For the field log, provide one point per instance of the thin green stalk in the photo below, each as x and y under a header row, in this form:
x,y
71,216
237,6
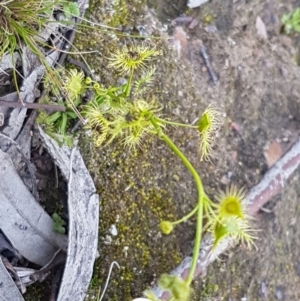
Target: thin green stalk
x,y
206,208
200,191
127,92
183,219
177,123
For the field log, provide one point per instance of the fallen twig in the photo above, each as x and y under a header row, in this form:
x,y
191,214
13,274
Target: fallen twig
x,y
35,106
208,65
55,284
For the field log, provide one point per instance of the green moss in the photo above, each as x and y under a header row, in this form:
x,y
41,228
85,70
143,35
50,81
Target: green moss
x,y
38,292
130,203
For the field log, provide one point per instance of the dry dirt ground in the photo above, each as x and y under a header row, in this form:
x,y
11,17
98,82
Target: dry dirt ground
x,y
258,91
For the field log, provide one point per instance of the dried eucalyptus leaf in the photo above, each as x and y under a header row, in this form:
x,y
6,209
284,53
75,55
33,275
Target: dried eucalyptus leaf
x,y
23,220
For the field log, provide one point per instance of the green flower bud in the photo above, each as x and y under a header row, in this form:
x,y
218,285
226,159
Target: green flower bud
x,y
166,227
88,80
179,289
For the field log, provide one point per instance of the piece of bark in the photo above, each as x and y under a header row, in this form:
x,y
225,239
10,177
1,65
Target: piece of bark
x,y
23,220
83,206
8,289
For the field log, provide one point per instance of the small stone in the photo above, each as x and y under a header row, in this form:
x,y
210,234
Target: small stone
x,y
211,29
261,28
225,180
263,290
298,268
231,41
121,81
113,230
283,71
279,293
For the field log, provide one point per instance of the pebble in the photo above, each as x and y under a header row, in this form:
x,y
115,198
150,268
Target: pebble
x,y
211,29
113,230
263,290
298,269
279,293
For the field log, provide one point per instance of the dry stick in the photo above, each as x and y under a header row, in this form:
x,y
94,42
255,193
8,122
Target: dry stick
x,y
14,274
55,284
36,106
271,183
208,64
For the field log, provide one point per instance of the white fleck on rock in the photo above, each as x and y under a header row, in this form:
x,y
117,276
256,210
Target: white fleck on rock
x,y
113,230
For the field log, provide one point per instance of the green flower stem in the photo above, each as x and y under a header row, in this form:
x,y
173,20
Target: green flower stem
x,y
191,213
128,88
200,190
177,123
183,219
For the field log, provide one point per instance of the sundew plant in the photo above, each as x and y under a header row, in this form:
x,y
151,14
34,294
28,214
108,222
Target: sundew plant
x,y
126,114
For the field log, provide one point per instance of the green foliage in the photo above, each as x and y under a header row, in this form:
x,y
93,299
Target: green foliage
x,y
58,224
178,288
291,21
20,21
71,90
71,9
